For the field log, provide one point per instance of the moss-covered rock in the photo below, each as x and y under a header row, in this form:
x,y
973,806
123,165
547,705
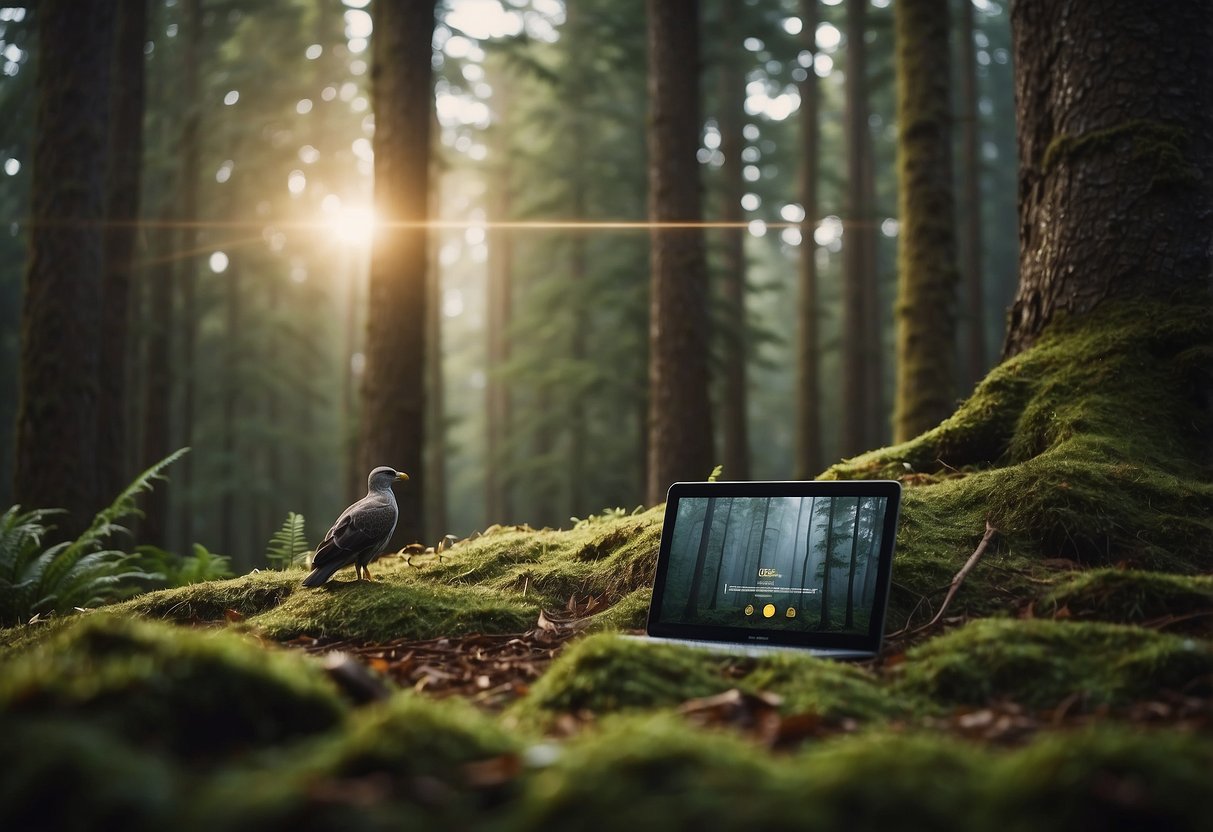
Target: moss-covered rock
x,y
197,695
659,773
1129,596
827,688
1109,778
399,606
66,775
406,761
607,673
1040,664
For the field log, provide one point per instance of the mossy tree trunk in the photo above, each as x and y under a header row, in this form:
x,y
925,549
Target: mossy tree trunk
x,y
393,386
808,412
679,420
57,452
125,152
731,77
1115,123
969,225
927,277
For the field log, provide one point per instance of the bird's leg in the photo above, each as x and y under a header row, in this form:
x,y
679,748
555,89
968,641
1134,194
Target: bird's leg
x,y
367,570
358,570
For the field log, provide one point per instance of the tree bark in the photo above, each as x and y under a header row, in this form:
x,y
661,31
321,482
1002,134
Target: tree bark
x,y
393,387
850,620
1115,125
434,498
825,570
680,428
56,463
700,558
187,253
227,503
855,387
732,102
809,458
498,508
970,218
125,151
927,276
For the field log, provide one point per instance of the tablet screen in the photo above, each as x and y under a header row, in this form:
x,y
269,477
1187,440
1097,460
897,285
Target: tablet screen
x,y
794,564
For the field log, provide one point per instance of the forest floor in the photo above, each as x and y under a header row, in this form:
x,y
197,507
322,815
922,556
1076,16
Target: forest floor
x,y
1068,683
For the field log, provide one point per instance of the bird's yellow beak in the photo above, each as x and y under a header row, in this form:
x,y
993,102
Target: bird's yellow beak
x,y
401,476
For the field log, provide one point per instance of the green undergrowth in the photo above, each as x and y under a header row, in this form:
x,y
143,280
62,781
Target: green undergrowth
x,y
1130,596
1041,664
216,600
198,695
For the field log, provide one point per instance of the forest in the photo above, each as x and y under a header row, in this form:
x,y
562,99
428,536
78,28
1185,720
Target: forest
x,y
547,258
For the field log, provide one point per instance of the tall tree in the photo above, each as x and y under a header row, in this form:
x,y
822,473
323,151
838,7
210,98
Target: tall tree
x,y
125,152
808,364
855,326
680,427
57,453
731,78
724,541
824,622
927,277
1115,123
499,275
393,386
701,555
187,253
970,219
850,619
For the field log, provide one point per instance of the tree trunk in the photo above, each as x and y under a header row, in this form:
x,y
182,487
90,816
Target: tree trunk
x,y
808,411
700,559
393,387
434,498
122,210
1115,105
808,539
227,504
187,253
57,449
680,428
825,568
970,218
850,621
153,527
732,103
855,401
724,541
927,277
500,295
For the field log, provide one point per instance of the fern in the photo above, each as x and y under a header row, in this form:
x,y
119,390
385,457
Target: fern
x,y
72,574
289,543
182,570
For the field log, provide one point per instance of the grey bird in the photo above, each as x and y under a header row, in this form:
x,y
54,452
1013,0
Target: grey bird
x,y
361,532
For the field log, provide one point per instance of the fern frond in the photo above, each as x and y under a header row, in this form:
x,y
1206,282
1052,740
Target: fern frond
x,y
288,543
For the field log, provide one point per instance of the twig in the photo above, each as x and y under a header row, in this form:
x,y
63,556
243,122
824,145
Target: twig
x,y
955,585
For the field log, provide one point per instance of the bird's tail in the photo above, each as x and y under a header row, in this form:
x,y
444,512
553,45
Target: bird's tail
x,y
321,574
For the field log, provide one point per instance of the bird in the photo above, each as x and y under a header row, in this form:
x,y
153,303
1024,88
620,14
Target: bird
x,y
361,532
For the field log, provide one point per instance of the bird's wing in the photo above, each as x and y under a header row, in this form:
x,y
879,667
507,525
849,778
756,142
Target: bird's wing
x,y
359,527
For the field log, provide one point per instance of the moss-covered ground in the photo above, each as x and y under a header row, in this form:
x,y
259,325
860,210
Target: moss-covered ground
x,y
1086,627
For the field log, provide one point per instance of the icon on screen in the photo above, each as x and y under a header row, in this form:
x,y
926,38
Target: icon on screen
x,y
791,613
768,611
749,609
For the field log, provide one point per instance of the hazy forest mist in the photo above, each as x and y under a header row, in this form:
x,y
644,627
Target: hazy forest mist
x,y
254,221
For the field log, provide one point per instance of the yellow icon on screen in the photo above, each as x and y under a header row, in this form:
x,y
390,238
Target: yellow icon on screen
x,y
749,609
791,613
768,611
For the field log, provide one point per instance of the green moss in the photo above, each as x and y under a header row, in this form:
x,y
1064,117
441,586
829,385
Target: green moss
x,y
660,773
1087,446
630,613
1110,778
393,608
1040,664
889,781
213,600
197,695
409,760
1155,146
1129,596
66,775
607,673
827,688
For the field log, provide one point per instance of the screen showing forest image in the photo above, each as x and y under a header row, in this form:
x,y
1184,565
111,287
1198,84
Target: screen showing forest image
x,y
787,563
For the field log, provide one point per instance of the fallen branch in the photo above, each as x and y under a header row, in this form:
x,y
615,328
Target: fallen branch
x,y
954,587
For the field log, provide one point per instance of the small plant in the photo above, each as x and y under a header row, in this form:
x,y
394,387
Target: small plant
x,y
182,570
73,574
288,546
616,513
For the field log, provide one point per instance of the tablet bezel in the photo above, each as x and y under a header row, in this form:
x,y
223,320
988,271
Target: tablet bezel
x,y
890,489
